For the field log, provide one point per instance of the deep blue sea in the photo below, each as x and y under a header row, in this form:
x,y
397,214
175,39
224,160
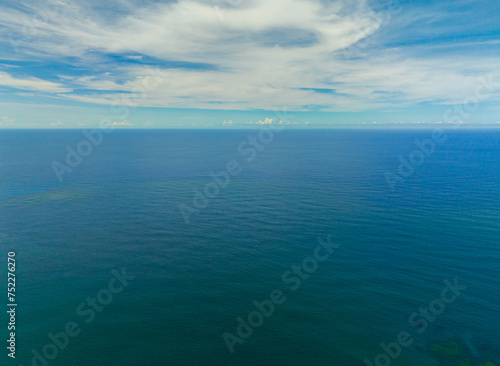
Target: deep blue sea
x,y
415,262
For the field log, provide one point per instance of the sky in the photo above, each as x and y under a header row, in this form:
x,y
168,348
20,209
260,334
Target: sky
x,y
243,63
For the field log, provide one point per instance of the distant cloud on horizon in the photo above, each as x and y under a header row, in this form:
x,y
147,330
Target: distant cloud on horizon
x,y
121,124
6,121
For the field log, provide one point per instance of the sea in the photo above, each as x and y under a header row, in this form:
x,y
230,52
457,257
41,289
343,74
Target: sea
x,y
251,247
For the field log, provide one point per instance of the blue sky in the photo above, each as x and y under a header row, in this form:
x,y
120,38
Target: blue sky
x,y
198,63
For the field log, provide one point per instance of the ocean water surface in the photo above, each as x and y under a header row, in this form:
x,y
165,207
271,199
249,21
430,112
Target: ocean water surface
x,y
120,209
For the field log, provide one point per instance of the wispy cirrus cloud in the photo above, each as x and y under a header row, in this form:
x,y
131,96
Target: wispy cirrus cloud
x,y
32,83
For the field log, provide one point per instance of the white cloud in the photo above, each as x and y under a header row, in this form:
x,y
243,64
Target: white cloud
x,y
121,124
260,54
267,121
270,121
56,124
6,121
31,83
